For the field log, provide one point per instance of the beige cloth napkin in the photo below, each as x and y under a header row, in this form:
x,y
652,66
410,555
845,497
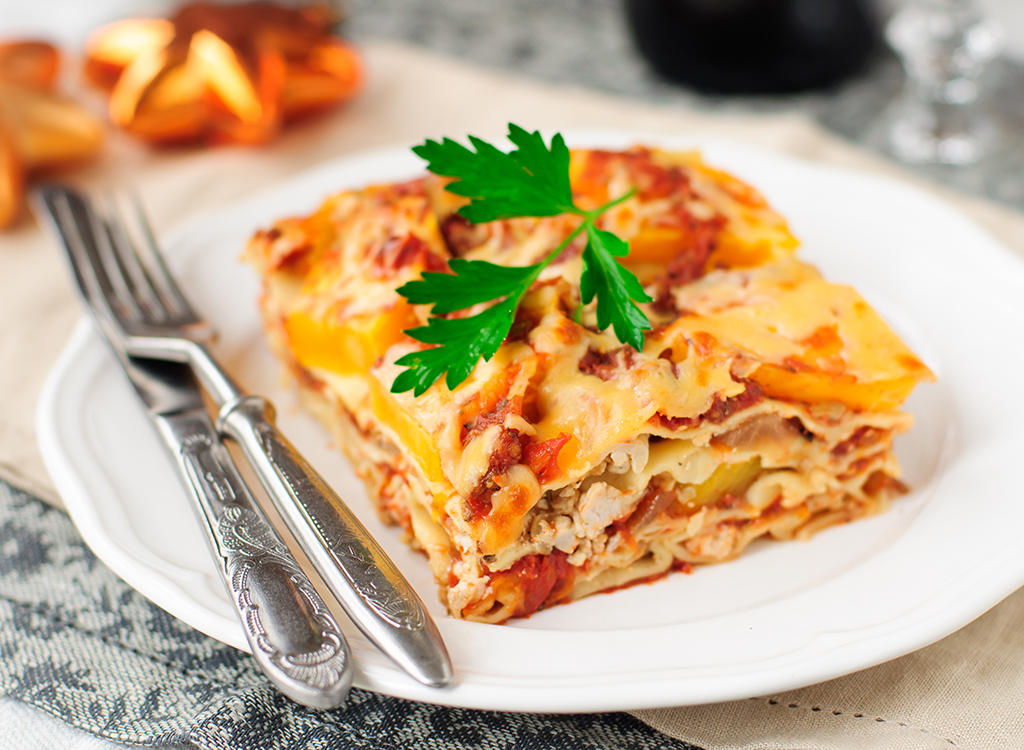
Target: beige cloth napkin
x,y
962,692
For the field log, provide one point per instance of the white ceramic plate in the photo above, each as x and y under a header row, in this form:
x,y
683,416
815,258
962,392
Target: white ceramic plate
x,y
782,616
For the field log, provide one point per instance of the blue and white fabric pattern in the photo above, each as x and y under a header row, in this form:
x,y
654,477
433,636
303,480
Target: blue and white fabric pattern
x,y
80,644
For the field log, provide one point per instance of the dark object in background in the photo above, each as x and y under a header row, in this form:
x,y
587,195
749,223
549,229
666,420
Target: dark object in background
x,y
754,46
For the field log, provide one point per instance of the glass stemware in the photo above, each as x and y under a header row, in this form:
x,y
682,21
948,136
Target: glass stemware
x,y
944,45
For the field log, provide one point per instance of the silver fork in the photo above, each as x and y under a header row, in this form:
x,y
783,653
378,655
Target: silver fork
x,y
154,321
292,635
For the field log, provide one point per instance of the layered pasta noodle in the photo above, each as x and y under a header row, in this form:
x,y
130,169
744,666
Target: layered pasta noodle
x,y
764,402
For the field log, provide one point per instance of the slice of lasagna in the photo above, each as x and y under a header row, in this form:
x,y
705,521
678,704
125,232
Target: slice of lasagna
x,y
764,402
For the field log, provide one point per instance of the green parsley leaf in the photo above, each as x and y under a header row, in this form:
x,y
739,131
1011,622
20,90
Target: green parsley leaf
x,y
614,286
532,180
463,341
473,282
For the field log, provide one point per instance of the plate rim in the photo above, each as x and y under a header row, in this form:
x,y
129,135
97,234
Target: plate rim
x,y
494,697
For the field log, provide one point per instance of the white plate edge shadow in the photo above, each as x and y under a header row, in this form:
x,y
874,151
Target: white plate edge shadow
x,y
649,692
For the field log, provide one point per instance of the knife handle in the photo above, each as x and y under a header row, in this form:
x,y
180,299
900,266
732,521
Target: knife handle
x,y
366,582
293,635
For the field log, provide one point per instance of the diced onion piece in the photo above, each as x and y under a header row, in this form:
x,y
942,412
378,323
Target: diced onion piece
x,y
761,431
651,505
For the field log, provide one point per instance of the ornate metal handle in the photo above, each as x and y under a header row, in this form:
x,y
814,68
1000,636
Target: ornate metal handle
x,y
373,592
293,636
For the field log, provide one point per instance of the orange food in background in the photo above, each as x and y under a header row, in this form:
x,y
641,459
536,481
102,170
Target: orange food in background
x,y
38,129
222,73
32,64
12,182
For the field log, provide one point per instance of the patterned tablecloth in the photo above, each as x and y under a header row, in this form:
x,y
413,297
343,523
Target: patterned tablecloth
x,y
80,644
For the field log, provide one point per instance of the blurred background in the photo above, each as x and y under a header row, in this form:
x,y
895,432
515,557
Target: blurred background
x,y
959,118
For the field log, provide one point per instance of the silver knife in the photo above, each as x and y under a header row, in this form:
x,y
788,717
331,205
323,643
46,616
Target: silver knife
x,y
293,636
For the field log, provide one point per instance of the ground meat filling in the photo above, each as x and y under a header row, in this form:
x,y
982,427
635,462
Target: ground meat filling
x,y
606,365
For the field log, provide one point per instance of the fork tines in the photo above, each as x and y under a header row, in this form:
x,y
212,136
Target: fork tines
x,y
133,236
119,267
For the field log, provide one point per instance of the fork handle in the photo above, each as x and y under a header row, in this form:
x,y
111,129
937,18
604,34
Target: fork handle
x,y
359,573
293,636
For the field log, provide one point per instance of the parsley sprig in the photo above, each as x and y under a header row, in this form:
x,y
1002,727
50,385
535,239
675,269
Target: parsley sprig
x,y
532,180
